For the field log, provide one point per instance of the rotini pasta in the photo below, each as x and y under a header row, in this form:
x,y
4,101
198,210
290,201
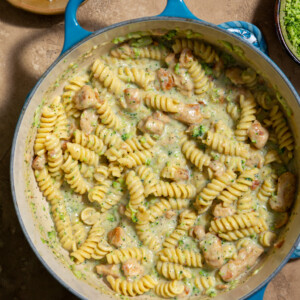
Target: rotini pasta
x,y
169,289
98,192
267,238
122,255
89,141
174,190
267,189
107,116
101,250
161,102
186,257
172,271
137,158
140,143
83,154
149,179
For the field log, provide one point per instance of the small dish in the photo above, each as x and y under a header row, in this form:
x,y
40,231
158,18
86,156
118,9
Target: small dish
x,y
281,30
43,7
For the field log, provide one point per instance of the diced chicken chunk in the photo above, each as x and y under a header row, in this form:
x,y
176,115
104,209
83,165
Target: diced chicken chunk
x,y
235,75
246,258
85,98
170,60
88,121
116,237
170,214
183,82
132,268
186,57
152,126
255,160
165,78
158,115
197,232
188,114
221,211
181,174
217,167
258,135
112,270
212,251
286,190
39,162
132,99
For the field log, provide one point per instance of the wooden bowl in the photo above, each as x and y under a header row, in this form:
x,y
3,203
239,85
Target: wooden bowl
x,y
281,31
43,7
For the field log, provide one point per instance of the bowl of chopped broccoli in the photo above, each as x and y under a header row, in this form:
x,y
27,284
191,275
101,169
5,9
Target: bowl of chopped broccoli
x,y
287,19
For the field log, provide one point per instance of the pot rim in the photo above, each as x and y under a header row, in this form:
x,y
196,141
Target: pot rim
x,y
62,57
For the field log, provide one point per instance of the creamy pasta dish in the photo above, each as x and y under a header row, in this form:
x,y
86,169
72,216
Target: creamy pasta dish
x,y
166,166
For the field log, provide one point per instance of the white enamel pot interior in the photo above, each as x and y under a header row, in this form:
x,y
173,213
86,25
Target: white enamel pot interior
x,y
31,206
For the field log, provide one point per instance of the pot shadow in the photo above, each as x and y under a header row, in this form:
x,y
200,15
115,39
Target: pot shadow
x,y
264,19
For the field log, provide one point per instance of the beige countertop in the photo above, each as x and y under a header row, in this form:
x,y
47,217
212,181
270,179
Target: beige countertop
x,y
28,45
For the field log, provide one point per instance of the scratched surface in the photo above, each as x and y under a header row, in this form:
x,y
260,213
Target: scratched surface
x,y
28,45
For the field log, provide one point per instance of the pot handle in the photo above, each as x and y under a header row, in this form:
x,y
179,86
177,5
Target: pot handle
x,y
248,32
177,8
74,33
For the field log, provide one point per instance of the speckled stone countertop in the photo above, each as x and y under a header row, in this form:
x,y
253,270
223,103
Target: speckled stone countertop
x,y
28,45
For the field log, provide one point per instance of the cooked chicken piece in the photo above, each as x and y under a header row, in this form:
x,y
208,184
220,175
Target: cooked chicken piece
x,y
245,259
116,237
197,232
217,167
175,173
258,135
186,57
106,270
88,121
151,125
235,75
221,211
165,78
188,114
132,99
282,220
183,82
85,98
39,162
170,214
170,60
255,160
132,268
229,250
286,190
212,251
158,115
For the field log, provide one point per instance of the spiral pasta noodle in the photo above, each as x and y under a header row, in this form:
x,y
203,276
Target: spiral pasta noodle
x,y
73,176
98,192
205,282
47,123
241,233
54,156
186,221
264,100
185,257
140,143
267,189
163,205
86,250
225,145
195,155
204,51
172,271
212,190
282,131
60,216
78,232
174,190
248,110
234,163
136,192
249,77
245,203
101,250
151,52
272,156
89,141
239,187
107,116
233,110
135,75
75,84
267,238
169,289
134,159
83,154
89,216
122,255
149,179
234,222
109,80
161,102
132,288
